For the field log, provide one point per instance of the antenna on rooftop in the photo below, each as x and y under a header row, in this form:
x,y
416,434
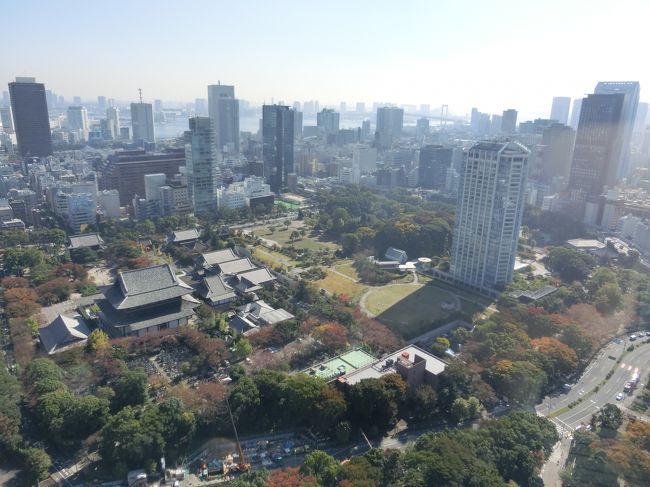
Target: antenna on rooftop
x,y
140,91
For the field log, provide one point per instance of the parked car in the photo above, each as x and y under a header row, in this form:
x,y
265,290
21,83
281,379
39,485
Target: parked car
x,y
619,396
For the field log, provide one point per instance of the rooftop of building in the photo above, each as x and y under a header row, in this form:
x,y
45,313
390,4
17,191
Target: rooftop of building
x,y
264,313
257,276
62,332
340,365
237,266
219,257
586,243
85,240
181,236
533,295
386,365
141,287
215,288
499,145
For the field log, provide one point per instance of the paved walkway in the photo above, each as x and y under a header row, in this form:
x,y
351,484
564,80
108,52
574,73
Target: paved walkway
x,y
551,470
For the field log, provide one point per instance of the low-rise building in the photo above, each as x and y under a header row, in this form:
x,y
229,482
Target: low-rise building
x,y
146,300
89,240
208,260
216,291
413,364
235,267
187,238
261,313
251,281
589,246
63,333
396,255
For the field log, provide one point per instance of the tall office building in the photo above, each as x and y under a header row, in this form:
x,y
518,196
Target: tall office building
x,y
142,122
277,148
509,121
597,148
432,169
558,141
560,109
297,125
31,119
202,165
630,91
223,109
157,105
7,119
101,102
76,100
361,107
390,121
125,170
113,118
327,121
488,215
575,113
638,133
201,107
78,121
421,129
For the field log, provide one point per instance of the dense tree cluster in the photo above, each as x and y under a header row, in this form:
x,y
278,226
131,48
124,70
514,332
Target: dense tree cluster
x,y
523,352
367,221
505,451
570,265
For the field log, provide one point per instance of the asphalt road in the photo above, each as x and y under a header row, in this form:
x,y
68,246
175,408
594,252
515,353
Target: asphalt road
x,y
567,420
636,361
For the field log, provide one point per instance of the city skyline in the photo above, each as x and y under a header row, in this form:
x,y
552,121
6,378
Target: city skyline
x,y
431,55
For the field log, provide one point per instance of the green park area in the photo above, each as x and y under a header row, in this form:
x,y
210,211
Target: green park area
x,y
339,284
291,236
411,310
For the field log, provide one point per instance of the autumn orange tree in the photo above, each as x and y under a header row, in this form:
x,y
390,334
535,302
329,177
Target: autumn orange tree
x,y
290,477
333,335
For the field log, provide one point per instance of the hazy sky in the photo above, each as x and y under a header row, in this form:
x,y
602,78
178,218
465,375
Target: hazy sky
x,y
490,54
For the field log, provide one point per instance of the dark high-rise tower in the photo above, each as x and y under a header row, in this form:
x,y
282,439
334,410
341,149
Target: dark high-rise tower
x,y
630,91
31,120
434,162
597,148
278,140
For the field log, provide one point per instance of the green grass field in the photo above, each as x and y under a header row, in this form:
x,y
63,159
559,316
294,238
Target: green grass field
x,y
337,284
282,237
272,258
410,310
346,267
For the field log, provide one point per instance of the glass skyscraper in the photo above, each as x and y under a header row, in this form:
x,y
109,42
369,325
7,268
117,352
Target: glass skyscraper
x,y
31,119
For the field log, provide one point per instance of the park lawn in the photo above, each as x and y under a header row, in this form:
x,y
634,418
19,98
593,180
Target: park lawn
x,y
282,237
347,267
411,310
272,258
337,284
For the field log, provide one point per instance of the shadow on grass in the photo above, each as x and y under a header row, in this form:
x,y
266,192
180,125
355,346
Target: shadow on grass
x,y
424,310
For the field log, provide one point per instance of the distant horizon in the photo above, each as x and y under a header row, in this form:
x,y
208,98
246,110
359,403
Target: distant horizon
x,y
467,53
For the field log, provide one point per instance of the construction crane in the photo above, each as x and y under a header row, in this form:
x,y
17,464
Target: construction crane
x,y
242,466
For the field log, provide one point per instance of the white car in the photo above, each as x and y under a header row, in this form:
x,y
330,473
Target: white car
x,y
619,396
